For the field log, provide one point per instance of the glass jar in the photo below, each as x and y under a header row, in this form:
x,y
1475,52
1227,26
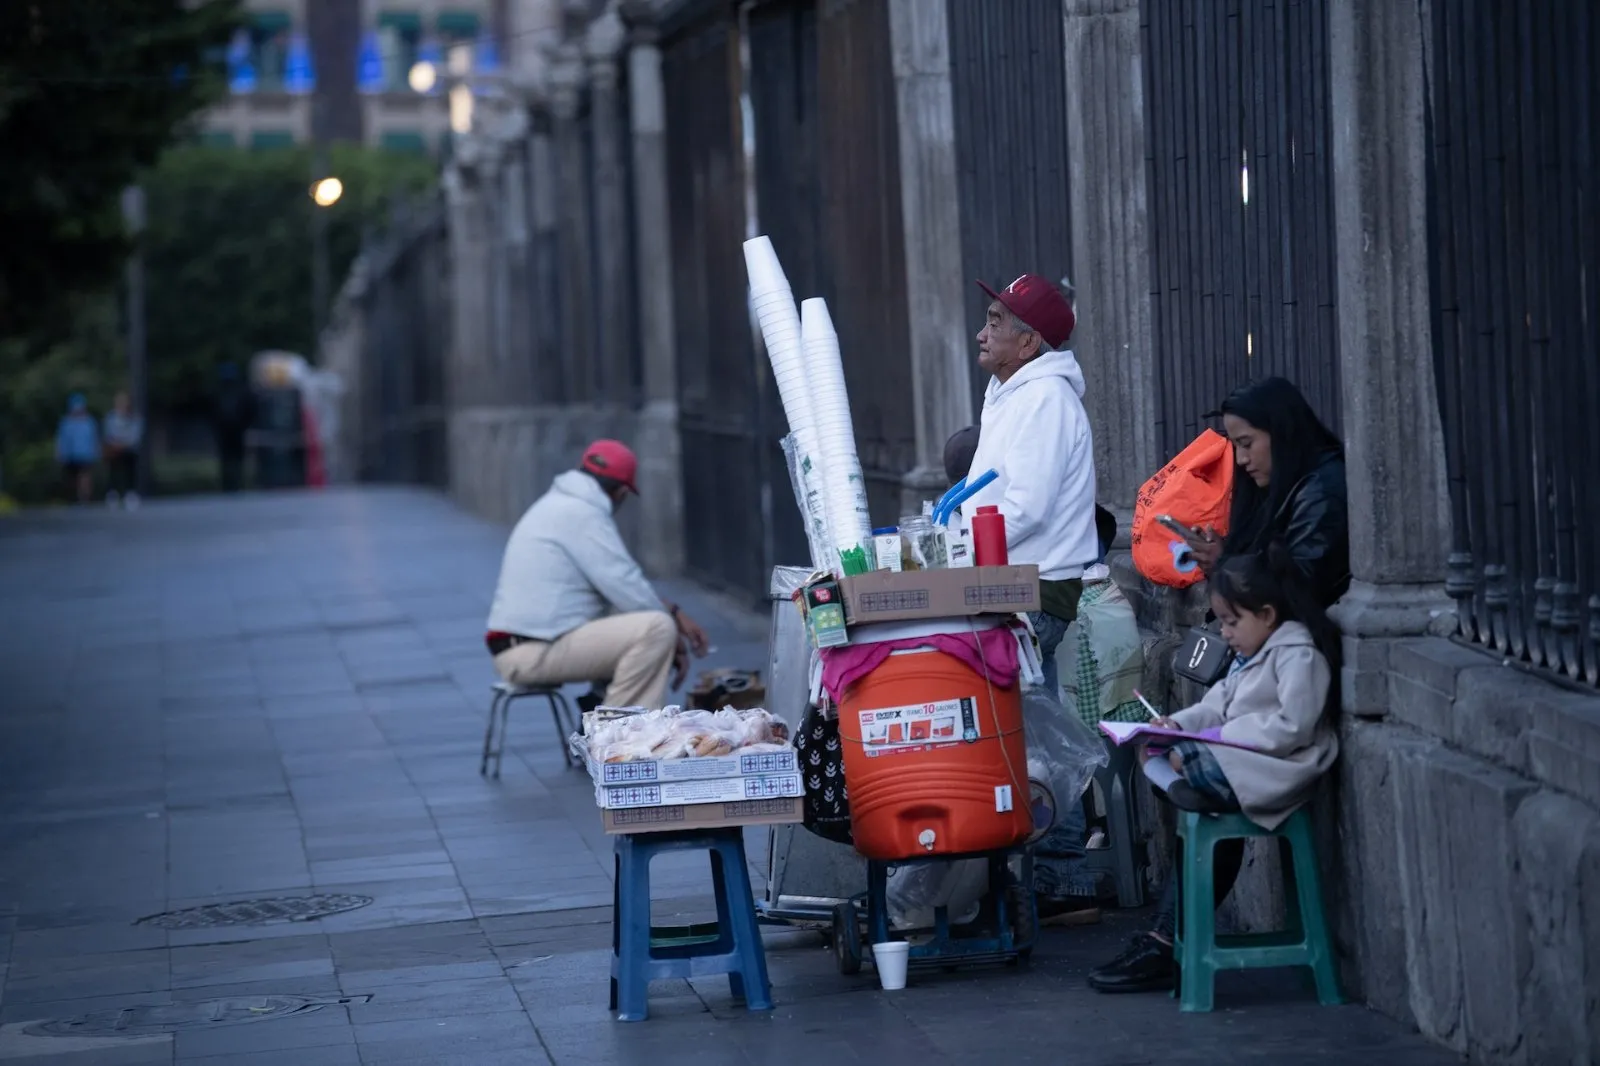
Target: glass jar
x,y
921,548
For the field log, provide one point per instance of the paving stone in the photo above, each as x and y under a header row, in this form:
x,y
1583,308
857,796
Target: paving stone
x,y
313,717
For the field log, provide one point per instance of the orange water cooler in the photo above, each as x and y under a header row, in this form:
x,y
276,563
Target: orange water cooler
x,y
935,759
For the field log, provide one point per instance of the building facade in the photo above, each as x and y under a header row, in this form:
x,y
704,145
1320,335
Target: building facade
x,y
343,70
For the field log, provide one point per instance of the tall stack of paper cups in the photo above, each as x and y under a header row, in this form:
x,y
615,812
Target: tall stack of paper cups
x,y
843,488
773,303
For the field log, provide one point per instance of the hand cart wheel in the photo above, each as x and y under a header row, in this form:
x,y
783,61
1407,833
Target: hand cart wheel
x,y
847,938
1024,921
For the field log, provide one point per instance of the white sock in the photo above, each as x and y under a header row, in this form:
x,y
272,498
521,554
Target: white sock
x,y
1160,773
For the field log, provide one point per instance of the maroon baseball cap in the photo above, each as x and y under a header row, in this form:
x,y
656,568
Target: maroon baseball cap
x,y
612,459
1040,306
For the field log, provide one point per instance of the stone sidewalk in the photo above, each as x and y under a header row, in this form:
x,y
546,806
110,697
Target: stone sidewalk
x,y
269,698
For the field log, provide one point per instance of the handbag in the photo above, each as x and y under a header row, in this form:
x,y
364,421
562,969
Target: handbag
x,y
821,755
1203,657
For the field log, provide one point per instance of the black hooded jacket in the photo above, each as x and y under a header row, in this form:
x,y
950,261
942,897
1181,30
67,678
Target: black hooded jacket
x,y
1313,525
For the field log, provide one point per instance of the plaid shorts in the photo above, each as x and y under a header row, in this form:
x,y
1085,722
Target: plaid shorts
x,y
1203,773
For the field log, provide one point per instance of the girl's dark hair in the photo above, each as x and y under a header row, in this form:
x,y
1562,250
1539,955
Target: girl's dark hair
x,y
1299,443
1260,580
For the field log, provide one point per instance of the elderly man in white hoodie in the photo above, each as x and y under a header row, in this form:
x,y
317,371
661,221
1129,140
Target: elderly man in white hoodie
x,y
573,605
1035,435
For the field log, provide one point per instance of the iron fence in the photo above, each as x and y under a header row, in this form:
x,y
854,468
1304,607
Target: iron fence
x,y
1514,218
403,425
723,435
1242,256
1008,88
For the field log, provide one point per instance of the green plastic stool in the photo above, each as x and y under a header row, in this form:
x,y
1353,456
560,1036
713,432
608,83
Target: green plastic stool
x,y
1198,949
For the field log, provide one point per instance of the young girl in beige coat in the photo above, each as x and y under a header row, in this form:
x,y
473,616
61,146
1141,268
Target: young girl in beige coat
x,y
1271,737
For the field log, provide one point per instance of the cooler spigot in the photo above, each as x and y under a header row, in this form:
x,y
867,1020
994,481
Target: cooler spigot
x,y
926,839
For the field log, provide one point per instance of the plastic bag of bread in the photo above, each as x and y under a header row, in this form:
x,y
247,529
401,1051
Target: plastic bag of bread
x,y
672,733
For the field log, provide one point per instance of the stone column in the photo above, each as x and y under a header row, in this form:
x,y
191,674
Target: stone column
x,y
941,351
658,444
1106,189
566,83
550,382
603,44
514,312
1399,504
469,276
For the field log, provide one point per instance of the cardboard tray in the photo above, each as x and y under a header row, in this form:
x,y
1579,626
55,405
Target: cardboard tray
x,y
712,790
886,596
737,764
704,816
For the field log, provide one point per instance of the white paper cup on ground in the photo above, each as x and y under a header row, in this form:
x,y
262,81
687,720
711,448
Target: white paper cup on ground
x,y
891,959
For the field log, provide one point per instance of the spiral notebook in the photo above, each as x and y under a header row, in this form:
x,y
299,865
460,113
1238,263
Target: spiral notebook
x,y
1126,732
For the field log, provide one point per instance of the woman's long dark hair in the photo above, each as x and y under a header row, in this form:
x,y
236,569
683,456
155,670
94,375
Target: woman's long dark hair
x,y
1260,580
1299,443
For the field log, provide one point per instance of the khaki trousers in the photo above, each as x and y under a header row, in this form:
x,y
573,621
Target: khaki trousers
x,y
634,650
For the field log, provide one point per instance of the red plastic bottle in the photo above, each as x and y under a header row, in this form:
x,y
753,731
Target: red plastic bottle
x,y
989,537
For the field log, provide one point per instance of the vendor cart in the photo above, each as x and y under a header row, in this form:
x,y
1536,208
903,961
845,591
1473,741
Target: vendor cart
x,y
1005,926
1003,932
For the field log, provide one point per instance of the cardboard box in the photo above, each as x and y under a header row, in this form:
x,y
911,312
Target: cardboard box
x,y
704,816
713,790
738,764
884,596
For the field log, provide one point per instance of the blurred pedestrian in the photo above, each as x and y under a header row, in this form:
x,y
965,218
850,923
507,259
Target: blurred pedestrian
x,y
124,434
78,447
232,413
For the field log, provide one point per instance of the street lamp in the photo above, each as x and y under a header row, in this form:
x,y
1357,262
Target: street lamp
x,y
423,77
326,192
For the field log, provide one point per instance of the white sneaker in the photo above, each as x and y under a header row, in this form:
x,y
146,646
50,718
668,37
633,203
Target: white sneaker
x,y
131,501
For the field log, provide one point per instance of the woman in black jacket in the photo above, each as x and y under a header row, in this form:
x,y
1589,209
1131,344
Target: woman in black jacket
x,y
1289,487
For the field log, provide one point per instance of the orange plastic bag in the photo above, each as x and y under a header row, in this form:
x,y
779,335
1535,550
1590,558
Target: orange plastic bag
x,y
1196,489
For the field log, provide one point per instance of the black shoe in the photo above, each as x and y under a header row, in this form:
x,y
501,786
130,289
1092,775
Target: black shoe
x,y
1145,965
1186,797
1069,910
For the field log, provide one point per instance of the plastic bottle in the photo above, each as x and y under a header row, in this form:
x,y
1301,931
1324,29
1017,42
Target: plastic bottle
x,y
886,545
989,537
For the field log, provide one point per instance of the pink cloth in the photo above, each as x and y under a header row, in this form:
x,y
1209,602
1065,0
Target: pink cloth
x,y
844,665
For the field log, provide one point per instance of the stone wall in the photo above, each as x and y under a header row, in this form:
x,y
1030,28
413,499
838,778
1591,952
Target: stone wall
x,y
504,458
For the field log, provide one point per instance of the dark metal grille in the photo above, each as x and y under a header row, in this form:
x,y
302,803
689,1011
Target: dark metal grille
x,y
257,912
720,423
402,364
1242,284
1008,84
782,42
1515,248
864,276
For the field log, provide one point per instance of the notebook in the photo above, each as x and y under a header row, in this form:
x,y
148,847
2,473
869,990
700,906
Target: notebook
x,y
1127,732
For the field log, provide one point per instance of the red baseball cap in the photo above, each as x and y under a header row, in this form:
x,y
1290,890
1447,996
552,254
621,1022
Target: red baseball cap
x,y
1040,306
612,459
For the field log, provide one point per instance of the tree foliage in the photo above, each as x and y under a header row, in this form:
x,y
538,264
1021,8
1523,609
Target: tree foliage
x,y
91,91
229,252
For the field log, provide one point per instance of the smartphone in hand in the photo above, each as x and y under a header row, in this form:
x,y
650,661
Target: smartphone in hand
x,y
1178,527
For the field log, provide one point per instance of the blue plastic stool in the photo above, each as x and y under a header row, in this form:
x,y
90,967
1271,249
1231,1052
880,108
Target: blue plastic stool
x,y
1201,952
641,953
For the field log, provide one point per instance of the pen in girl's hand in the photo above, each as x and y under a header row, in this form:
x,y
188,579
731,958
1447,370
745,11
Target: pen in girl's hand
x,y
1151,711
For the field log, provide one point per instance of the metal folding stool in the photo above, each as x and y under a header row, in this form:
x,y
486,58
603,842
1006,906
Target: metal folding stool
x,y
505,693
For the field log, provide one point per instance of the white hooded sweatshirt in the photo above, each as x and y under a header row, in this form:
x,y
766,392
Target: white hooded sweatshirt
x,y
1035,434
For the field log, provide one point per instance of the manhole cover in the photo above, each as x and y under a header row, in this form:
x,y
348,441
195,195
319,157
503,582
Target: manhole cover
x,y
153,1020
256,912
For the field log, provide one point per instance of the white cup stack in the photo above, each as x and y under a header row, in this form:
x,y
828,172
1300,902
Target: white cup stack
x,y
844,489
772,301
